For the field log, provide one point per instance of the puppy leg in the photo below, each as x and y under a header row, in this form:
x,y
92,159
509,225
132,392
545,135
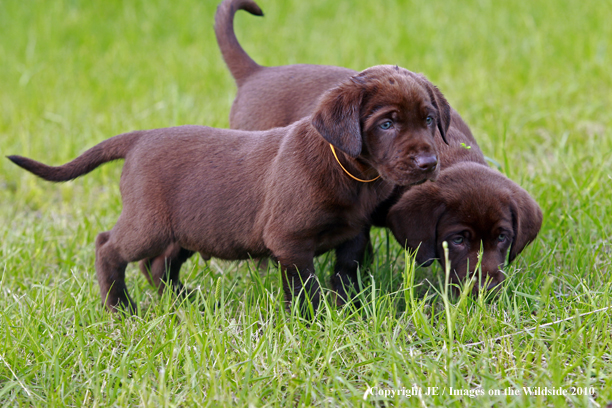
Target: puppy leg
x,y
110,271
303,284
300,281
349,256
163,271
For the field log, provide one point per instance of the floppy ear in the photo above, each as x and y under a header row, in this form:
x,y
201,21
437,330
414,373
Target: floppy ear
x,y
336,117
526,220
440,103
414,221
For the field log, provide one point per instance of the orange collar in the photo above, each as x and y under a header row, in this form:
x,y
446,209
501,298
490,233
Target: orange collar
x,y
346,171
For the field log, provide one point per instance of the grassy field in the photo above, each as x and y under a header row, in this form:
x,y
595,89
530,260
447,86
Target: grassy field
x,y
531,78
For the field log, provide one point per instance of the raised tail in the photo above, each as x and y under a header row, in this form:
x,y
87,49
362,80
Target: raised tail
x,y
111,149
237,60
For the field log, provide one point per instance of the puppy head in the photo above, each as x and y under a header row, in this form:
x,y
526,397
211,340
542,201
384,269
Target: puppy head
x,y
388,118
469,206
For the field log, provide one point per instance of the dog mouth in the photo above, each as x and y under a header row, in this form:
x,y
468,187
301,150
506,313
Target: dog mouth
x,y
405,175
408,180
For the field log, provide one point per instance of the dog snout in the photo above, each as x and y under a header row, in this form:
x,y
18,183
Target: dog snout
x,y
426,162
494,280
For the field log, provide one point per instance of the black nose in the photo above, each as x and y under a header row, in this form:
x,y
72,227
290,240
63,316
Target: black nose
x,y
426,162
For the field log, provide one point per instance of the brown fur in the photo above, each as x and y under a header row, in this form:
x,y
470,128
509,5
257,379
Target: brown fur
x,y
468,195
235,194
469,206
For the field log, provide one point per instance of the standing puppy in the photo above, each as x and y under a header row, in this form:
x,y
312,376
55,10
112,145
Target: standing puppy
x,y
282,193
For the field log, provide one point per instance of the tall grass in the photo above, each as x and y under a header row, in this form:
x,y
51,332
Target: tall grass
x,y
533,81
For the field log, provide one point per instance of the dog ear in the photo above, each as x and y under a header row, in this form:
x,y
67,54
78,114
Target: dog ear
x,y
336,117
440,103
526,220
414,221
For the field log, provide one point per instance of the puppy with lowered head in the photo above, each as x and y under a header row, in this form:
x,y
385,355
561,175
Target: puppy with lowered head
x,y
470,205
282,193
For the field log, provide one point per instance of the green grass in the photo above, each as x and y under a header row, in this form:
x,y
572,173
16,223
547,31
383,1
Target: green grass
x,y
532,79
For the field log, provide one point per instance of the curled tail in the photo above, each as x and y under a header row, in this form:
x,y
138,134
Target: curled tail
x,y
237,60
111,149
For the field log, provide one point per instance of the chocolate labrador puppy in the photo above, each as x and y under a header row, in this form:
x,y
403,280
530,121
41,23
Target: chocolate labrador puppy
x,y
283,193
470,205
